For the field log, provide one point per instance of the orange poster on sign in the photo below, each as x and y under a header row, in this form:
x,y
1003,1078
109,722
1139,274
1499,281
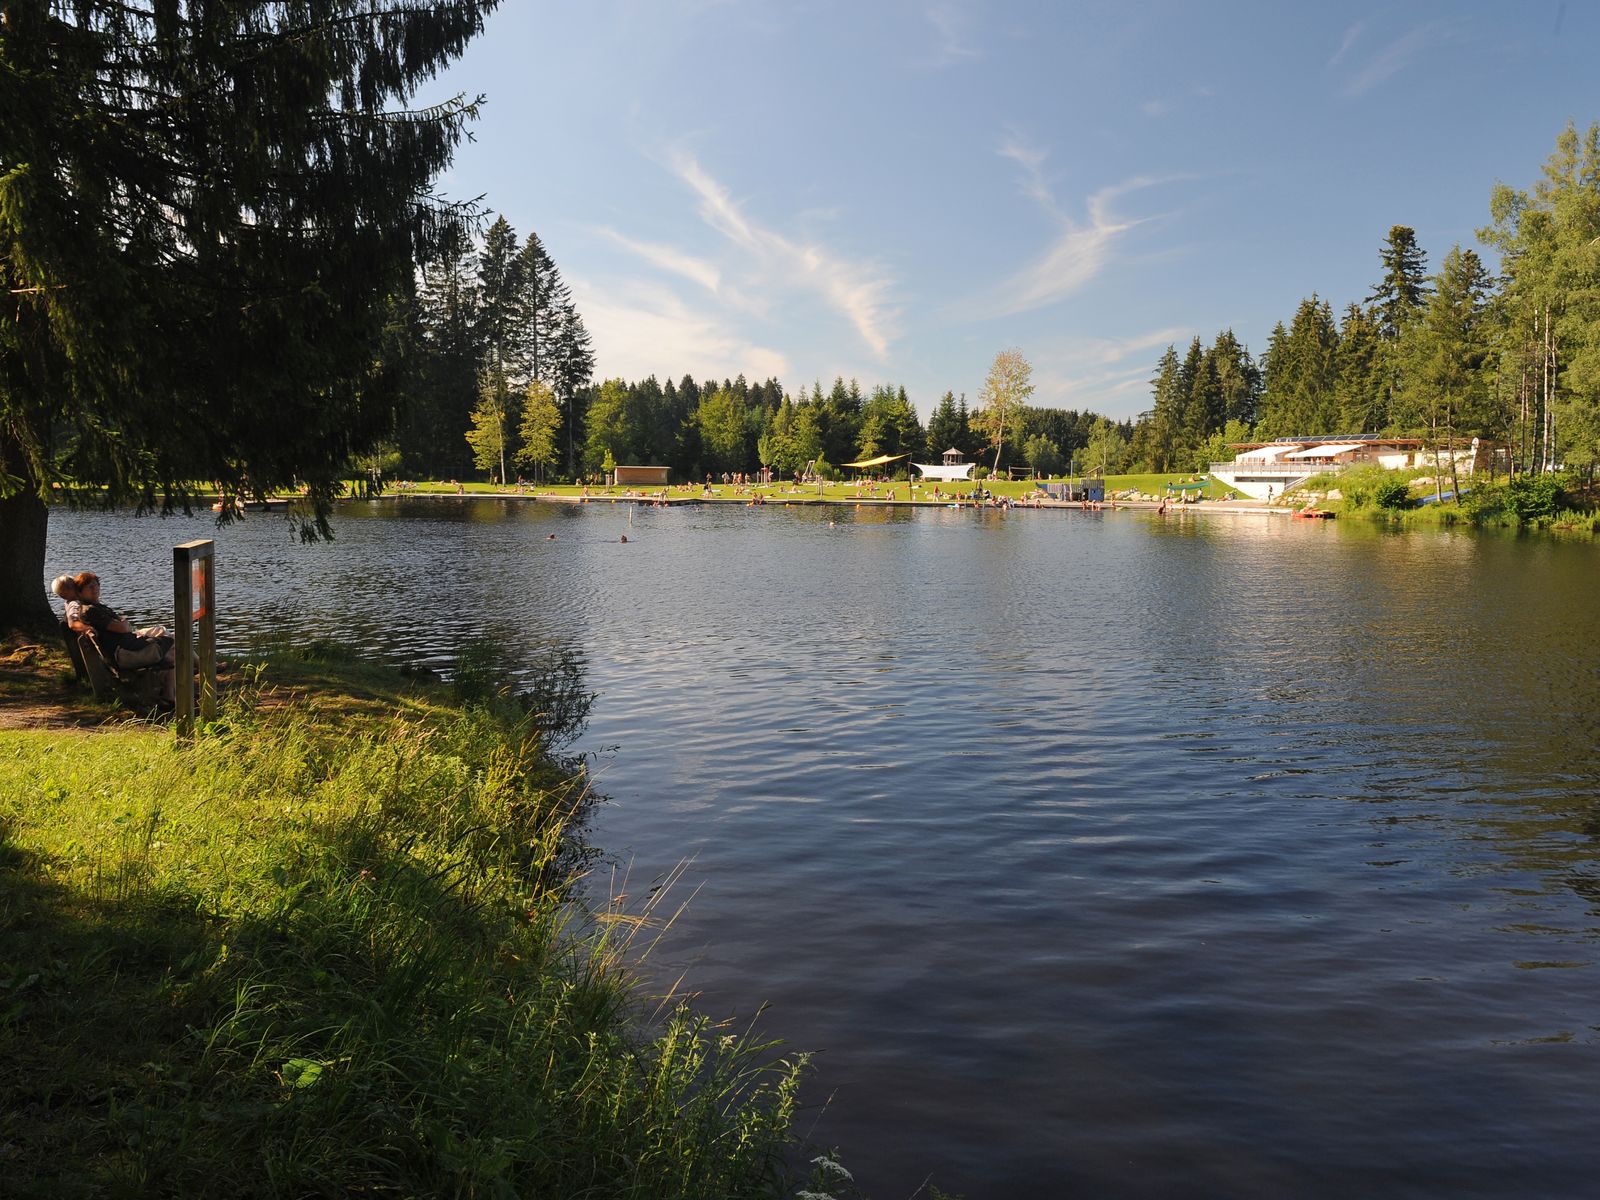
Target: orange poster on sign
x,y
197,588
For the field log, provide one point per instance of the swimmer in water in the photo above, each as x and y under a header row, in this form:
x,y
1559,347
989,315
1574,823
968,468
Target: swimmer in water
x,y
549,537
623,539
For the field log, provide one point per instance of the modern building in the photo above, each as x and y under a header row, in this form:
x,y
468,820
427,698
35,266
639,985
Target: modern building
x,y
1265,470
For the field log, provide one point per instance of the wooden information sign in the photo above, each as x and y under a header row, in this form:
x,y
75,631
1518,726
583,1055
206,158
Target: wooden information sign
x,y
194,586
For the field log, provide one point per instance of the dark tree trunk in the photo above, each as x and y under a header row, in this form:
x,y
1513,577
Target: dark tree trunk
x,y
23,520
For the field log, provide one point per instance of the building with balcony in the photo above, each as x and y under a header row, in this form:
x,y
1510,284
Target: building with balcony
x,y
1265,470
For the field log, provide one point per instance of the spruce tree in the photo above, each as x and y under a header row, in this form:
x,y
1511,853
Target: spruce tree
x,y
944,428
1363,402
446,388
1238,380
1300,395
1403,289
1159,445
204,211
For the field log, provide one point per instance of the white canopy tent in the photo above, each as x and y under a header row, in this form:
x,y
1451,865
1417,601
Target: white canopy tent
x,y
945,472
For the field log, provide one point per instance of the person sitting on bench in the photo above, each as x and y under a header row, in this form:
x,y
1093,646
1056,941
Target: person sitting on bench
x,y
66,589
127,649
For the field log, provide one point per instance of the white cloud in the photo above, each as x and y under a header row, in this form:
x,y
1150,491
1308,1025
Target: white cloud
x,y
1155,108
1349,40
1393,58
949,27
1081,251
1109,375
696,270
772,262
641,330
1031,159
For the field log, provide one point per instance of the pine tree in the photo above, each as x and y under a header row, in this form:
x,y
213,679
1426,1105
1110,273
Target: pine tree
x,y
944,428
1238,380
555,346
571,369
154,336
1301,395
1403,289
840,421
447,390
967,441
1549,244
499,296
1159,444
1363,406
1444,351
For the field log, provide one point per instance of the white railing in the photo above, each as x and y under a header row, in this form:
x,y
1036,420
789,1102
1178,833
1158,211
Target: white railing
x,y
1275,470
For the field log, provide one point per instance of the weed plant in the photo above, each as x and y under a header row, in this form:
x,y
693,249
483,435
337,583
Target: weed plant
x,y
326,952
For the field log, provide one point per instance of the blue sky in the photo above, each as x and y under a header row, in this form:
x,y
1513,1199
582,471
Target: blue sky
x,y
895,191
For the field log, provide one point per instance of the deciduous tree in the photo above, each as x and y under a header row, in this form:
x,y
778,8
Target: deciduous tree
x,y
1005,391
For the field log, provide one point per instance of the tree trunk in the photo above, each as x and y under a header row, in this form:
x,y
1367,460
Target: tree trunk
x,y
24,519
1438,482
1450,438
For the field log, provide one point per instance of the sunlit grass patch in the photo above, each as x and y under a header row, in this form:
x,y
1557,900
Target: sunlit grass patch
x,y
328,949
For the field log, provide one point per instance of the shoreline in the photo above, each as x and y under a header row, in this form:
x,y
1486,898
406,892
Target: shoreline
x,y
797,501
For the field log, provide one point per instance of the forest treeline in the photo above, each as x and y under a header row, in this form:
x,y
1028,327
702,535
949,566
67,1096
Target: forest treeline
x,y
1446,355
500,381
503,370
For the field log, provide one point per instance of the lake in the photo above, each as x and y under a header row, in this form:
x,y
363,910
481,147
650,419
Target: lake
x,y
1096,854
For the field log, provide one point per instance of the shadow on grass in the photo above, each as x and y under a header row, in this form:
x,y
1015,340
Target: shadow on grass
x,y
388,1011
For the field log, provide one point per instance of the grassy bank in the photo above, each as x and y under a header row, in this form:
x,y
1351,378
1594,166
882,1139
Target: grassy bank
x,y
838,491
1404,499
332,947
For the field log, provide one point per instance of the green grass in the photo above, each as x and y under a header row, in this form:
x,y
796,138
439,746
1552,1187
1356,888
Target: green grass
x,y
1153,484
333,946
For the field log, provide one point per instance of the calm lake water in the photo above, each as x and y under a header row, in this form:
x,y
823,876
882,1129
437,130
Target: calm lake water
x,y
1096,854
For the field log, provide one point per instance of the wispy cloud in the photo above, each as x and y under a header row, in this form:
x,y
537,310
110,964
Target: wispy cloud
x,y
952,44
1394,58
642,329
1081,250
1155,108
1345,43
860,291
1108,375
1031,159
671,259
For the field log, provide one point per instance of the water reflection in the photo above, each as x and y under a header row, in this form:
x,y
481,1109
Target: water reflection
x,y
1257,854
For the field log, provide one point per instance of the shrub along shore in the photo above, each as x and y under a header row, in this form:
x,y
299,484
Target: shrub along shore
x,y
336,945
1405,499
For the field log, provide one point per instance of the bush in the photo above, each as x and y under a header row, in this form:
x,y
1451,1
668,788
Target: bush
x,y
1392,495
1535,498
1485,503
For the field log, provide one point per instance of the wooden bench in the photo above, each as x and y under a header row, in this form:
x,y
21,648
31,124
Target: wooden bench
x,y
139,687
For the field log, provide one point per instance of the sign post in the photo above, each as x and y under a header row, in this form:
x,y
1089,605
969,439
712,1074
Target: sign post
x,y
194,593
